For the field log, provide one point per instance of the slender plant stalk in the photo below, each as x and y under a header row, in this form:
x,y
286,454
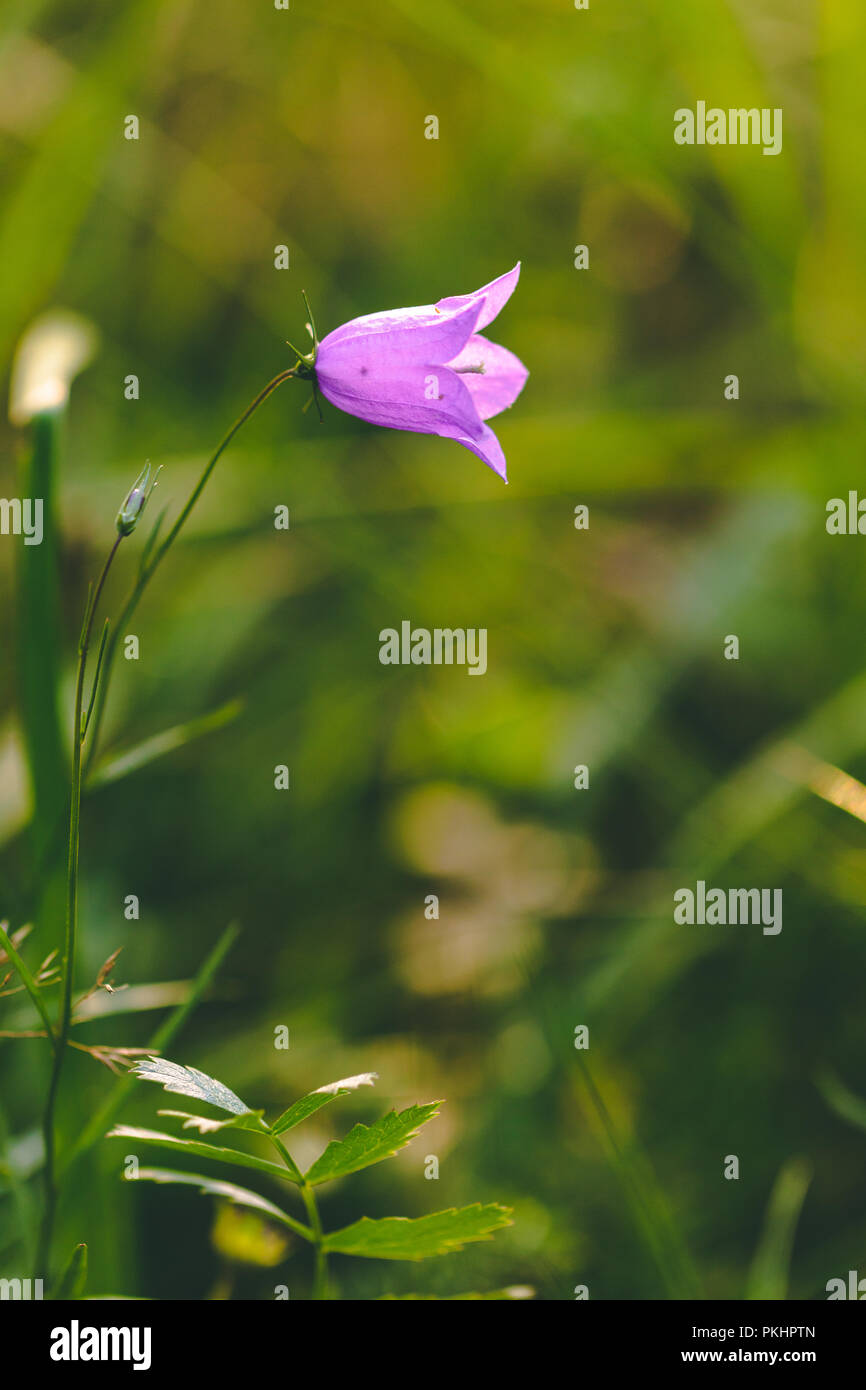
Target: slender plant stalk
x,y
39,662
315,1234
320,1273
150,566
659,1235
29,983
104,1117
95,709
67,968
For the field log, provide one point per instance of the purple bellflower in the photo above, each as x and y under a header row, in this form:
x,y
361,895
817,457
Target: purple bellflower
x,y
427,369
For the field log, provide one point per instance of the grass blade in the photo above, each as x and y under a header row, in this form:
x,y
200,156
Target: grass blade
x,y
104,1117
112,769
28,981
769,1274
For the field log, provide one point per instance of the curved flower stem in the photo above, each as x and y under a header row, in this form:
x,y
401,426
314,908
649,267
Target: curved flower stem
x,y
151,565
67,968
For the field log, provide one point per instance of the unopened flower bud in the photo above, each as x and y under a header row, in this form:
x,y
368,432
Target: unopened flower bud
x,y
136,500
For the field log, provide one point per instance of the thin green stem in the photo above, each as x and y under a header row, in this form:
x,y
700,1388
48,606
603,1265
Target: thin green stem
x,y
149,568
296,1174
28,981
95,686
96,707
650,1216
67,969
104,1117
315,1234
313,334
320,1272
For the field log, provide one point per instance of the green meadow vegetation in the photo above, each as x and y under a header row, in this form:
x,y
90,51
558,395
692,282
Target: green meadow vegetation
x,y
432,890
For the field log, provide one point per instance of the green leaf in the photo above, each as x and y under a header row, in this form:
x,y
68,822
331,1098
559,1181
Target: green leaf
x,y
188,1081
846,1104
365,1144
123,764
7,948
770,1269
195,1146
85,723
214,1187
646,1201
399,1238
251,1119
149,544
164,994
95,1128
73,1280
38,627
60,181
309,1104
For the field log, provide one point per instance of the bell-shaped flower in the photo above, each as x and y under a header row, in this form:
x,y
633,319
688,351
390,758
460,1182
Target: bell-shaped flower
x,y
427,369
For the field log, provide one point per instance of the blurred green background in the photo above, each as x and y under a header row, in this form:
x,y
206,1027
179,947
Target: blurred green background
x,y
605,646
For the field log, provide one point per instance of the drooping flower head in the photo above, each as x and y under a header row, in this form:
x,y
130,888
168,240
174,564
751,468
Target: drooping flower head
x,y
427,369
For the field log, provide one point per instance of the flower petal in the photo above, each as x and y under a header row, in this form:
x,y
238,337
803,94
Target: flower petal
x,y
397,336
425,399
486,446
501,381
404,403
411,369
496,295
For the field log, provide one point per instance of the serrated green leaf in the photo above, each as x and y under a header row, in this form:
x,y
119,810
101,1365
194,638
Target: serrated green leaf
x,y
366,1144
96,1126
73,1280
251,1119
309,1104
195,1146
215,1187
402,1238
188,1081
